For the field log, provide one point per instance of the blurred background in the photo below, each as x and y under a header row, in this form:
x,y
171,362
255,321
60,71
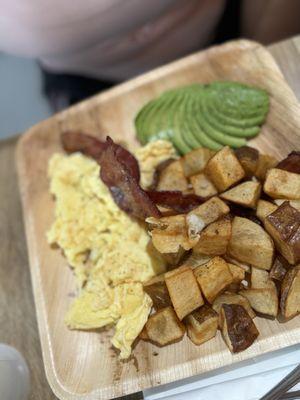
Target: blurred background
x,y
54,54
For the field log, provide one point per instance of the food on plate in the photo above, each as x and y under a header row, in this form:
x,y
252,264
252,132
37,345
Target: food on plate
x,y
172,178
265,162
203,186
281,184
290,293
158,293
291,163
232,298
263,301
248,158
195,161
245,194
264,208
202,325
279,269
293,203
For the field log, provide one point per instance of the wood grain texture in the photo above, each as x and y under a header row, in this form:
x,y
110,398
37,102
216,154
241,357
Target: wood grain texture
x,y
17,312
74,360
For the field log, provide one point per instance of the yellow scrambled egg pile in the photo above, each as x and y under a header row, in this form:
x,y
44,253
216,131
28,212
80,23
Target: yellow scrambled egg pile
x,y
107,249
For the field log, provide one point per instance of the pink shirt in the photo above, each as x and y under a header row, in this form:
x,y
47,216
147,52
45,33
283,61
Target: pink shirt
x,y
113,39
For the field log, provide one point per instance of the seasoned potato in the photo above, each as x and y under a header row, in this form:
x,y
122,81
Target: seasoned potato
x,y
284,227
173,223
280,184
202,325
293,203
172,178
195,161
264,301
231,260
264,208
164,327
214,238
232,298
248,158
203,186
159,294
195,259
184,291
143,334
260,279
278,270
213,277
251,244
265,162
224,169
290,293
245,194
238,329
203,215
238,273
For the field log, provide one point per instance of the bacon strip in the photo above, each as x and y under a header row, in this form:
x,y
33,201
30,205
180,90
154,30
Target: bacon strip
x,y
176,200
291,163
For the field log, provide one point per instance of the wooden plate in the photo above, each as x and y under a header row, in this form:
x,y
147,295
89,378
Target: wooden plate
x,y
81,365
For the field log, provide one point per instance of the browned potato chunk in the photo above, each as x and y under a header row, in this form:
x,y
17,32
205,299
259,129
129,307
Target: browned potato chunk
x,y
278,270
280,184
172,178
284,227
195,259
232,298
260,279
251,244
184,291
143,334
203,215
195,161
293,203
238,329
290,293
264,301
238,273
245,194
159,294
164,327
214,238
264,208
248,157
265,162
203,186
213,278
202,325
246,267
224,169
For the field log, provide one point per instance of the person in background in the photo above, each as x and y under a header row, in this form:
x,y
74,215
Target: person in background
x,y
84,47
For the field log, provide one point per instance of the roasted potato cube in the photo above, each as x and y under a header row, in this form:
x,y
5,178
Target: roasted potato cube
x,y
173,223
290,293
280,184
159,294
172,178
284,227
231,260
224,169
164,327
245,194
248,158
202,325
184,291
238,329
203,215
232,298
143,334
291,162
260,279
213,278
293,203
264,208
264,301
238,273
195,259
251,244
214,238
195,161
203,186
278,270
265,162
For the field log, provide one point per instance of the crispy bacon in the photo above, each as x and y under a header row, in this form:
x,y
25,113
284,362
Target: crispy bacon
x,y
118,175
176,200
291,163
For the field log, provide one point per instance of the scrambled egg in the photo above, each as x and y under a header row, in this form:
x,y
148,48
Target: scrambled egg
x,y
106,248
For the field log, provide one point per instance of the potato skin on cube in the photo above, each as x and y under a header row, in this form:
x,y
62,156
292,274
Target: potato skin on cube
x,y
195,161
248,158
264,208
184,291
164,327
278,270
224,169
201,324
280,184
159,294
290,293
238,329
232,298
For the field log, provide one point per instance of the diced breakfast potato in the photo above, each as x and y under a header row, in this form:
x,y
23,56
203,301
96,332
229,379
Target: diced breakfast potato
x,y
265,162
184,291
173,223
246,267
213,278
260,279
172,178
159,294
164,327
195,161
203,215
248,158
224,169
278,270
195,259
264,301
264,208
202,324
203,186
280,184
214,238
232,298
290,293
238,273
143,334
238,329
293,203
284,227
245,194
250,243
